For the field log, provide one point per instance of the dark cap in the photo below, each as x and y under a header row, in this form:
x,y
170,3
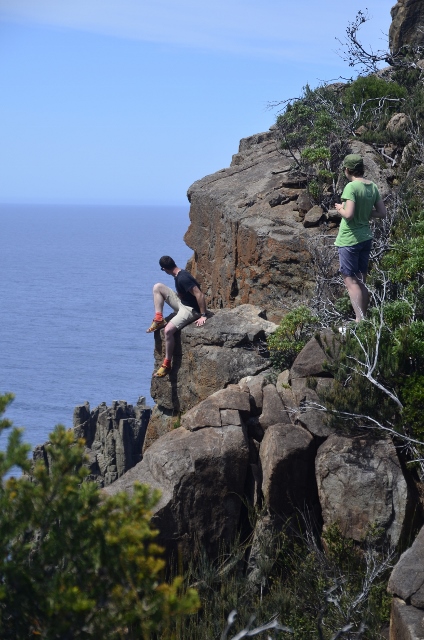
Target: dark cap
x,y
353,162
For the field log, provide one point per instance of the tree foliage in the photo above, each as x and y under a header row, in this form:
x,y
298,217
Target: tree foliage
x,y
74,563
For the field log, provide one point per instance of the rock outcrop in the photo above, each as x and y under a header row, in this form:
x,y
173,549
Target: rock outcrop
x,y
201,475
269,444
407,27
361,486
253,225
407,585
113,435
231,345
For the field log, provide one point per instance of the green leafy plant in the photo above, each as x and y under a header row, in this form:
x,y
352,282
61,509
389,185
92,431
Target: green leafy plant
x,y
291,336
73,562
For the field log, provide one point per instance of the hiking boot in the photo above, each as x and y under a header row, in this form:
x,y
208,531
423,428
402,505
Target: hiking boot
x,y
156,325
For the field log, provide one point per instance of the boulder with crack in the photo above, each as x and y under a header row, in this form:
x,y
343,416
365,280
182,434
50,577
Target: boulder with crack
x,y
201,475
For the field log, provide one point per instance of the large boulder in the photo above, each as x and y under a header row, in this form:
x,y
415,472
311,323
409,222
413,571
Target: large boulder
x,y
201,476
287,462
224,407
407,27
309,379
273,409
361,485
406,622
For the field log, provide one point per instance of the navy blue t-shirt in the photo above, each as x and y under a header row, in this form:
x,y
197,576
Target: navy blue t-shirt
x,y
183,282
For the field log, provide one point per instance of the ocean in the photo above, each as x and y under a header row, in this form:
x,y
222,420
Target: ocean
x,y
75,302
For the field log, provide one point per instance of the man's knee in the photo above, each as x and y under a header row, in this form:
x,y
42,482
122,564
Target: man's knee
x,y
170,329
158,287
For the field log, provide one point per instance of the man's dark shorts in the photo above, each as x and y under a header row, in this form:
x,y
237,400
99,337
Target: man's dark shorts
x,y
354,259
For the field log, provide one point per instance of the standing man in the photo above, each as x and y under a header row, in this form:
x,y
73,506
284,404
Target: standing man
x,y
189,303
361,202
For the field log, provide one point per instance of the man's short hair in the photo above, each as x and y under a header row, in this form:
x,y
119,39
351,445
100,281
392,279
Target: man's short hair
x,y
166,262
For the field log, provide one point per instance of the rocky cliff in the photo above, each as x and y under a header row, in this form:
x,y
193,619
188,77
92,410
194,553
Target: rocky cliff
x,y
253,225
407,27
269,444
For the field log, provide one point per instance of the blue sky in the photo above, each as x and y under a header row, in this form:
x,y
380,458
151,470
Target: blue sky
x,y
130,101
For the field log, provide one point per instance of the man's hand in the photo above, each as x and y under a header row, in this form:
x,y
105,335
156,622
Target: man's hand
x,y
201,301
346,209
200,321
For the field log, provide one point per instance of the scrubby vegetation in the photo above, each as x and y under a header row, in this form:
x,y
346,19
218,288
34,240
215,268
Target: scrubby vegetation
x,y
313,593
380,375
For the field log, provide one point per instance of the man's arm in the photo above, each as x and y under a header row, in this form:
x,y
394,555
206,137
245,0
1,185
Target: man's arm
x,y
201,301
346,210
380,210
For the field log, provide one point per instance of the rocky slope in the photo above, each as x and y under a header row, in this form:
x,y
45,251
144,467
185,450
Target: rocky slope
x,y
268,443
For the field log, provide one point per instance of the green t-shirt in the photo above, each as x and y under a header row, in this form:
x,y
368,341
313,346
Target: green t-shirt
x,y
357,229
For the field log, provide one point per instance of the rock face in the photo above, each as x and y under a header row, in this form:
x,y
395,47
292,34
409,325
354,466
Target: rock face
x,y
264,443
361,484
407,585
407,24
252,226
114,438
287,458
201,476
231,345
406,623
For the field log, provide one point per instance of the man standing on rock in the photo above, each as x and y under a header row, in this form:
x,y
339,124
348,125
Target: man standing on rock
x,y
188,302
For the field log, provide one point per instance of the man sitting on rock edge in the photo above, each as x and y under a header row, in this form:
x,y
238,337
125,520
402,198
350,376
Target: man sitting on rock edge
x,y
188,302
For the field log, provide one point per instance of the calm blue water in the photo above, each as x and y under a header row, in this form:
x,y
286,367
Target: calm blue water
x,y
75,301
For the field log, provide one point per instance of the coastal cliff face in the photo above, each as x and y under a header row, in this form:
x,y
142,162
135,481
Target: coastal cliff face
x,y
252,227
247,233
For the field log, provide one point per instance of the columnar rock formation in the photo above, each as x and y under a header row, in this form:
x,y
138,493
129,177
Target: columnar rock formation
x,y
113,436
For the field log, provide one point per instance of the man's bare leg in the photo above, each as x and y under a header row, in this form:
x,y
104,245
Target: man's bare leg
x,y
160,291
170,331
358,294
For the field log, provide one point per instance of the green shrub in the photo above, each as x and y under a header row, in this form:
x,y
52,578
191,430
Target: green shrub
x,y
293,581
374,99
75,563
291,336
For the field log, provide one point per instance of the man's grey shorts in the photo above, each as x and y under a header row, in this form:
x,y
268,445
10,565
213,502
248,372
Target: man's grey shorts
x,y
185,315
354,259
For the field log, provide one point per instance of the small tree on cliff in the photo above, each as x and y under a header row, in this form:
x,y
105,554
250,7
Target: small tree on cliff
x,y
74,564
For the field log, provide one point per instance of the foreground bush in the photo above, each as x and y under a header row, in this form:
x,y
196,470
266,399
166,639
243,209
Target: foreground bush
x,y
74,564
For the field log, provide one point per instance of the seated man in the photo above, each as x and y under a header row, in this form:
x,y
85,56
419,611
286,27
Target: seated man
x,y
189,303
